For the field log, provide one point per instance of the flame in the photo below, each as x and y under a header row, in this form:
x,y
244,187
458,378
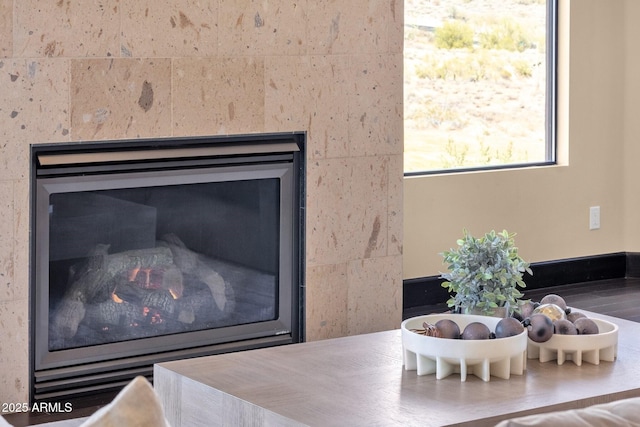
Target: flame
x,y
147,277
116,298
134,273
174,294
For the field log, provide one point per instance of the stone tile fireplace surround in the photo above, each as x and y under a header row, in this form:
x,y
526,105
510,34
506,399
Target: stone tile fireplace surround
x,y
121,69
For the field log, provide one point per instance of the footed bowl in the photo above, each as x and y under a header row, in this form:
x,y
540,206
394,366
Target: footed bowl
x,y
499,357
578,348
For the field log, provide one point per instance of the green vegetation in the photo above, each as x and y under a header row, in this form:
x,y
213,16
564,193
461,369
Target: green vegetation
x,y
477,63
485,272
523,68
454,35
456,154
459,155
507,35
436,114
474,83
470,66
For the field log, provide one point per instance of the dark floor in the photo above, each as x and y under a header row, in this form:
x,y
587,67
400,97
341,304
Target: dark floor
x,y
614,297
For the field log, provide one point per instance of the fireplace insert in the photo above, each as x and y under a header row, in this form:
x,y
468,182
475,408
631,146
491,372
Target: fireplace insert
x,y
153,250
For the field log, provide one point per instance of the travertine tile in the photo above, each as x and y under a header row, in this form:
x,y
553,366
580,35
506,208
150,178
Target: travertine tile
x,y
308,93
14,360
367,211
347,211
396,27
375,295
21,216
6,28
340,27
120,98
395,205
326,301
289,93
34,103
375,102
327,212
66,28
152,28
254,27
6,238
218,96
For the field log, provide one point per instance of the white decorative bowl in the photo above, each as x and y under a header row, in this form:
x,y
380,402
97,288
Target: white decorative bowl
x,y
578,348
499,357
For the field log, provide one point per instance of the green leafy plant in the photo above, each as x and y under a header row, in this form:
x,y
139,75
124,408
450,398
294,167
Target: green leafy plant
x,y
485,273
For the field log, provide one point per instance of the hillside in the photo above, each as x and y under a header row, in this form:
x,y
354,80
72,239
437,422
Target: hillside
x,y
473,106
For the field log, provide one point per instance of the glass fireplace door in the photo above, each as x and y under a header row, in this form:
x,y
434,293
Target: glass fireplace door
x,y
138,262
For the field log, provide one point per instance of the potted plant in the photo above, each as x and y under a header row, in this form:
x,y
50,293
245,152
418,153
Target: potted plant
x,y
485,274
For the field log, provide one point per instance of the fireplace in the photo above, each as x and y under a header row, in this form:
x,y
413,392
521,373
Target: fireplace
x,y
153,250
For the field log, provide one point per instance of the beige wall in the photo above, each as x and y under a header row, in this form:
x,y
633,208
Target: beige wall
x,y
548,207
76,70
632,127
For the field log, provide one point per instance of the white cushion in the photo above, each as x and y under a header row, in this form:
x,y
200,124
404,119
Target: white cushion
x,y
620,413
136,405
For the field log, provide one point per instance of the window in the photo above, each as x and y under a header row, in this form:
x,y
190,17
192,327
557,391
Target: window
x,y
479,84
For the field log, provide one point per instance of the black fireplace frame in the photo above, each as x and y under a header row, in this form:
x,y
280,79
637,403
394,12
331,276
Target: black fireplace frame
x,y
52,380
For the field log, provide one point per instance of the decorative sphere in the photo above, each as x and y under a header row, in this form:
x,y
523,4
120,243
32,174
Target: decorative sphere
x,y
552,311
586,326
448,328
540,328
564,327
575,315
476,331
554,299
525,310
508,327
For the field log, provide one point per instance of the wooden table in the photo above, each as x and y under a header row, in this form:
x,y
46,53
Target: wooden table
x,y
360,380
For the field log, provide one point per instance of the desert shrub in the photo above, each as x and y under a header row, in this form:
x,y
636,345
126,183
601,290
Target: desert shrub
x,y
523,68
455,154
430,113
455,13
454,68
506,155
506,74
454,35
472,66
506,35
430,69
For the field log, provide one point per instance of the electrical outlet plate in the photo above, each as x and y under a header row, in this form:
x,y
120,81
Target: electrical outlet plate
x,y
594,217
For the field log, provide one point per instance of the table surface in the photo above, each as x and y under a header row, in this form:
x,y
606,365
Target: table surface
x,y
360,380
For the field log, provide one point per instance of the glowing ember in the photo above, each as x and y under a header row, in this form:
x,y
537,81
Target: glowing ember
x,y
156,318
116,298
